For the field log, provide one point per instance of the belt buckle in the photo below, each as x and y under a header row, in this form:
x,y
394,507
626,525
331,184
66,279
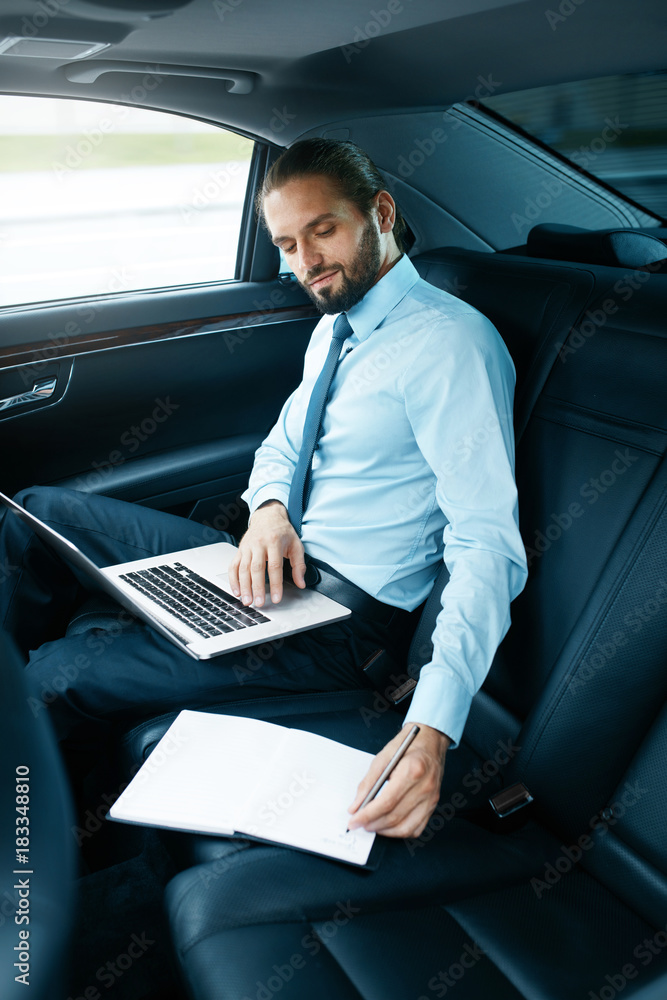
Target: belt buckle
x,y
312,575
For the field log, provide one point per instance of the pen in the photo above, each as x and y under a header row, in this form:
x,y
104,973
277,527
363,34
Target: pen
x,y
390,767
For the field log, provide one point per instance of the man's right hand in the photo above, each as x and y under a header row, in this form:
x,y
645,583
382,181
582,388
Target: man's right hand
x,y
270,538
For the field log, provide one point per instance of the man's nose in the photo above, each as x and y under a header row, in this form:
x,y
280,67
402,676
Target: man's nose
x,y
309,256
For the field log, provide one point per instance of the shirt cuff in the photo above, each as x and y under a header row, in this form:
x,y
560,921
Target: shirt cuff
x,y
269,492
441,701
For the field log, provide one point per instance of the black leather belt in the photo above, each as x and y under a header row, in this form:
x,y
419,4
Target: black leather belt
x,y
384,672
324,578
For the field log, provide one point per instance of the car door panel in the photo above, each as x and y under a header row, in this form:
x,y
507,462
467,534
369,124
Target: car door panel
x,y
168,412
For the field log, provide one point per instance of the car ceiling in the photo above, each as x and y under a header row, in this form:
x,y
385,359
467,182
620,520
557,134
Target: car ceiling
x,y
316,63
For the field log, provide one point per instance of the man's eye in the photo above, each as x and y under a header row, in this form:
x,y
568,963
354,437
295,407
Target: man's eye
x,y
326,232
289,249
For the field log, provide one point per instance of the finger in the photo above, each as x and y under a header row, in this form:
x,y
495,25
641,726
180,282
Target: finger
x,y
402,820
412,826
396,799
275,566
245,582
379,815
387,807
374,771
409,819
296,555
258,577
233,574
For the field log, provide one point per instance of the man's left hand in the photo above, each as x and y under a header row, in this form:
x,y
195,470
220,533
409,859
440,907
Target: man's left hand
x,y
411,793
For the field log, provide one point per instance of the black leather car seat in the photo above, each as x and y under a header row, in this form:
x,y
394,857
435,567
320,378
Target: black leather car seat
x,y
579,684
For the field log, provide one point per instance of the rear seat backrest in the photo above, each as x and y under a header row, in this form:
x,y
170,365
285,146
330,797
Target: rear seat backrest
x,y
533,306
600,587
596,364
584,666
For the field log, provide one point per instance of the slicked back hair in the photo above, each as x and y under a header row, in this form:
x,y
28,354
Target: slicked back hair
x,y
343,162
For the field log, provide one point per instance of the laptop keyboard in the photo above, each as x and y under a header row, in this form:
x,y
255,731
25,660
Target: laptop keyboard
x,y
206,609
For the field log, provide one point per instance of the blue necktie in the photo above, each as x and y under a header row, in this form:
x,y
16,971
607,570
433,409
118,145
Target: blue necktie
x,y
300,486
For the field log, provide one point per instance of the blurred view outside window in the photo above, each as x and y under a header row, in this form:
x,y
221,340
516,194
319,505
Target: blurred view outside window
x,y
98,198
615,127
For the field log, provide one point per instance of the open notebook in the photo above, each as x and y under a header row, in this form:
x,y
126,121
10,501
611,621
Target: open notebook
x,y
222,774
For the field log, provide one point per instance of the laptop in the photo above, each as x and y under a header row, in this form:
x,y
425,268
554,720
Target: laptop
x,y
186,596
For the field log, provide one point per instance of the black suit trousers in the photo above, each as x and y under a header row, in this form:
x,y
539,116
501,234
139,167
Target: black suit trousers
x,y
127,671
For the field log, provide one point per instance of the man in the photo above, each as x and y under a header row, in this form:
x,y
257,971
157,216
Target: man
x,y
414,451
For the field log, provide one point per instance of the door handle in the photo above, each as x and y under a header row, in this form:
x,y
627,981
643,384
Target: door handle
x,y
41,390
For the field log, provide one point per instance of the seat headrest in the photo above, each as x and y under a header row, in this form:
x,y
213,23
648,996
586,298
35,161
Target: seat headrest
x,y
611,247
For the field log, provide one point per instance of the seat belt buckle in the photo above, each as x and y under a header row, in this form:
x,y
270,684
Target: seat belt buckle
x,y
510,800
380,669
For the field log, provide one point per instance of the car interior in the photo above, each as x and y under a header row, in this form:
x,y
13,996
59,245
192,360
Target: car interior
x,y
527,149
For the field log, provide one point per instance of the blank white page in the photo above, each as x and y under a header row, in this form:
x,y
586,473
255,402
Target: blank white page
x,y
200,773
304,802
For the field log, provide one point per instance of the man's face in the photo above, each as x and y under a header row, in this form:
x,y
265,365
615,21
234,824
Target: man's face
x,y
333,249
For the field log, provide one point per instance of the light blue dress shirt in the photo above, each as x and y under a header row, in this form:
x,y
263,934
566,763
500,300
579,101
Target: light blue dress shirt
x,y
416,459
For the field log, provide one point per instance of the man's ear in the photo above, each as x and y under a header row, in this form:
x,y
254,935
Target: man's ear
x,y
386,209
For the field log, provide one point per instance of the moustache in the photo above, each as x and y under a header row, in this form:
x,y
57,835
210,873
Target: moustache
x,y
315,272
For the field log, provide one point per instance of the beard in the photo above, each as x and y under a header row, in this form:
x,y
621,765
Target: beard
x,y
356,279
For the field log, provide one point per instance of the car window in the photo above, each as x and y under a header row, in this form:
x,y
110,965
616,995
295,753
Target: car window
x,y
102,198
614,127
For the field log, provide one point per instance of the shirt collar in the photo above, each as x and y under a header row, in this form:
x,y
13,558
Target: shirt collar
x,y
382,297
